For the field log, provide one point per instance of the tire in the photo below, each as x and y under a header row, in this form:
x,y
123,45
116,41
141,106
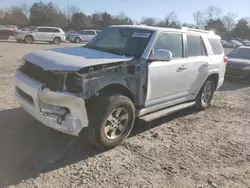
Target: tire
x,y
205,96
57,41
77,40
105,131
29,39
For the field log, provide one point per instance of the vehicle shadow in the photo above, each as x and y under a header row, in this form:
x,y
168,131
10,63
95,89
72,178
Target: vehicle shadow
x,y
231,84
29,148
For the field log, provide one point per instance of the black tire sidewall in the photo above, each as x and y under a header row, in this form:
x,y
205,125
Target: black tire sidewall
x,y
199,102
56,39
77,40
27,38
112,103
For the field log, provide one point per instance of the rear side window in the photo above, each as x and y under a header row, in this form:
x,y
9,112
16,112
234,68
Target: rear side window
x,y
89,33
55,30
43,30
216,46
195,46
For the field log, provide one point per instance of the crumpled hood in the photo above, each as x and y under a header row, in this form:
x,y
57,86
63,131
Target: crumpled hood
x,y
72,59
238,63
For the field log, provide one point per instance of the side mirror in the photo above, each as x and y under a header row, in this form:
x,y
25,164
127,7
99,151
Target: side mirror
x,y
161,55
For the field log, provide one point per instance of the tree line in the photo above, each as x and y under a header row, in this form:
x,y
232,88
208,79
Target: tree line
x,y
49,14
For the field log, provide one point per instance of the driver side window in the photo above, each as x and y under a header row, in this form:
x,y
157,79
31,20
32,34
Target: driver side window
x,y
172,43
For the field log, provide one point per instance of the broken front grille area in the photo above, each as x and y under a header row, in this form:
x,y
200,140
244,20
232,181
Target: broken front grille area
x,y
51,80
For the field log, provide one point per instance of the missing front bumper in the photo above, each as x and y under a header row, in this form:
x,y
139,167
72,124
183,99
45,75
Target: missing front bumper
x,y
72,123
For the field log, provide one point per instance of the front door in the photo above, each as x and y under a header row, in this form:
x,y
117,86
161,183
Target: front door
x,y
167,79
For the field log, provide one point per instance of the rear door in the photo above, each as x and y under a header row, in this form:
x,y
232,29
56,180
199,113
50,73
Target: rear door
x,y
41,34
197,64
89,35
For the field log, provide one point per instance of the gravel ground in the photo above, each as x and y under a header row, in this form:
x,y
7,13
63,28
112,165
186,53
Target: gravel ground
x,y
206,149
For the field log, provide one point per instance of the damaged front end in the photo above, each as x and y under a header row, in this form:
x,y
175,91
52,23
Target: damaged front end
x,y
44,95
57,98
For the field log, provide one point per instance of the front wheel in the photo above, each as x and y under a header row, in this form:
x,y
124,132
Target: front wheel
x,y
111,121
205,96
28,39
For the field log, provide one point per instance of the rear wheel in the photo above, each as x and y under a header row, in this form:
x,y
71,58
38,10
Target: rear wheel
x,y
57,41
29,39
205,96
111,121
77,40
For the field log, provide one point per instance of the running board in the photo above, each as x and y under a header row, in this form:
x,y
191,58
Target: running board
x,y
166,111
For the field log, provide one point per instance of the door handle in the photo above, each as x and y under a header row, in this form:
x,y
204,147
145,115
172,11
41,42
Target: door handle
x,y
206,64
182,67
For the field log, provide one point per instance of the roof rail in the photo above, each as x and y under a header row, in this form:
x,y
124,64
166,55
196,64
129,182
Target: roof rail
x,y
196,30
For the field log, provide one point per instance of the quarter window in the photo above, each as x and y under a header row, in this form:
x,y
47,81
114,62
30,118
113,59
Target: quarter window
x,y
195,46
170,42
216,46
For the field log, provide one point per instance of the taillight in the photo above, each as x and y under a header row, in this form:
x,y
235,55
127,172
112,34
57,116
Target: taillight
x,y
225,59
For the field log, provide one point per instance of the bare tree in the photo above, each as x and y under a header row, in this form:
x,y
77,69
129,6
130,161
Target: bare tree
x,y
149,21
213,12
70,10
199,19
171,18
1,14
229,21
25,9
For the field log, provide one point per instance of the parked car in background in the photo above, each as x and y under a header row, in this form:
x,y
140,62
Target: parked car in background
x,y
137,72
233,44
7,31
246,42
47,34
224,43
238,65
70,32
83,36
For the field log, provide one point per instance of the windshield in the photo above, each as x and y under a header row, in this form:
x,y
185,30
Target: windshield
x,y
121,41
242,53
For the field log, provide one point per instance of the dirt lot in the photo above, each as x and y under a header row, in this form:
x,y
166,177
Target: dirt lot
x,y
189,149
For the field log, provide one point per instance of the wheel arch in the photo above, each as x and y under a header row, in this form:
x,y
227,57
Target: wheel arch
x,y
57,37
214,77
29,36
114,88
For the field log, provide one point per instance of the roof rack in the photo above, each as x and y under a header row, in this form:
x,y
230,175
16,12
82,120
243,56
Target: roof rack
x,y
196,30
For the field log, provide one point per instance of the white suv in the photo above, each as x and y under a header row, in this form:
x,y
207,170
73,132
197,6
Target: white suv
x,y
83,36
47,34
125,72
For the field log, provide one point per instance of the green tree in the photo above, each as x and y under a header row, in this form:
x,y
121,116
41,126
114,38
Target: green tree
x,y
216,25
79,20
242,29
